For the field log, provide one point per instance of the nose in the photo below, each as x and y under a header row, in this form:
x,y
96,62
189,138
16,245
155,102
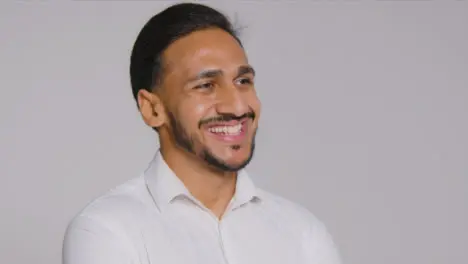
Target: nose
x,y
231,100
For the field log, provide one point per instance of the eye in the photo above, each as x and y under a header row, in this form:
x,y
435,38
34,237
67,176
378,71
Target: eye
x,y
245,81
207,85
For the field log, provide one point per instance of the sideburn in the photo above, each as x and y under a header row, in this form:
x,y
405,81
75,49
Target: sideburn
x,y
181,137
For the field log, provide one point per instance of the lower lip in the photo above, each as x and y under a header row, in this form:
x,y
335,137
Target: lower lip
x,y
231,138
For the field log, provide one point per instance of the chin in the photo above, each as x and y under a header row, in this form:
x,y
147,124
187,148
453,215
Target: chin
x,y
231,160
229,167
237,165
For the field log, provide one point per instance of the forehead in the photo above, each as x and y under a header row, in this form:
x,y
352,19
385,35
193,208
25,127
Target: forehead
x,y
210,48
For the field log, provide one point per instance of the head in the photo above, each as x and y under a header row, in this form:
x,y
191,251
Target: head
x,y
194,85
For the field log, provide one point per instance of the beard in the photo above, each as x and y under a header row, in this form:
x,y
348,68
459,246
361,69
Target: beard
x,y
186,142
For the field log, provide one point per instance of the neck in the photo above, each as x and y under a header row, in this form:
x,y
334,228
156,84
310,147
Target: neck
x,y
213,188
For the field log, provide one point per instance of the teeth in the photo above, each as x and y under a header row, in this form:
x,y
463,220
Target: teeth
x,y
229,130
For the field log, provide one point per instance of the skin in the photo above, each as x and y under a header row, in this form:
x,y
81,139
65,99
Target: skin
x,y
206,76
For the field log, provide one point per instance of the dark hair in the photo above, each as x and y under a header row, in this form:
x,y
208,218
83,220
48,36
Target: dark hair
x,y
162,30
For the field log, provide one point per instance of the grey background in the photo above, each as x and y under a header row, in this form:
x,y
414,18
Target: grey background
x,y
364,120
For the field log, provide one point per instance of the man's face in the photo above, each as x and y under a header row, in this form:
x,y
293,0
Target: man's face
x,y
211,104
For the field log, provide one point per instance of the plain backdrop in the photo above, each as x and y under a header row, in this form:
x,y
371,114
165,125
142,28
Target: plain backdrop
x,y
365,118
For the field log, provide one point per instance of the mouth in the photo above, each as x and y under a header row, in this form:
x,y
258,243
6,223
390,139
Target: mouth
x,y
229,132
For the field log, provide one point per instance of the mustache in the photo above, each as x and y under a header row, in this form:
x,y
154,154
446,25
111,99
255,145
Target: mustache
x,y
226,118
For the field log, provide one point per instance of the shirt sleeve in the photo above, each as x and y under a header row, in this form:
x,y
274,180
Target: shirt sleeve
x,y
88,241
320,247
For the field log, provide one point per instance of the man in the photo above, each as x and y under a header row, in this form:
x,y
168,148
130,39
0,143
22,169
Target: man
x,y
195,203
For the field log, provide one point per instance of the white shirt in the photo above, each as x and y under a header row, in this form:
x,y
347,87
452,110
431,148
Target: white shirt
x,y
153,219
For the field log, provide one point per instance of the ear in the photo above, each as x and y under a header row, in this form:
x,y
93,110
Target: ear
x,y
151,108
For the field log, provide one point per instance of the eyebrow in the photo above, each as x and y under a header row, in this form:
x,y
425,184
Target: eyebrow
x,y
245,69
242,70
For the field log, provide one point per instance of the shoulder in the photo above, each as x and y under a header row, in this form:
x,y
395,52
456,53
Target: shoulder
x,y
117,207
293,209
287,211
317,242
102,230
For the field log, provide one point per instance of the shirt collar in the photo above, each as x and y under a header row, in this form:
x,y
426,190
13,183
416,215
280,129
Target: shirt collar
x,y
246,190
165,186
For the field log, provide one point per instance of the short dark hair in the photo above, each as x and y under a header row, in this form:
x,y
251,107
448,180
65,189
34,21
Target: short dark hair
x,y
162,30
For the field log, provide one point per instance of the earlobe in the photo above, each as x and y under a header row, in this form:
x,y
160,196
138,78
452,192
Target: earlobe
x,y
151,108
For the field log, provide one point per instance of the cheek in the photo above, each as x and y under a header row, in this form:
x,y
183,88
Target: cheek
x,y
192,112
200,109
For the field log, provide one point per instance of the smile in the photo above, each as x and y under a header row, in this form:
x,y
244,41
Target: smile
x,y
231,132
226,130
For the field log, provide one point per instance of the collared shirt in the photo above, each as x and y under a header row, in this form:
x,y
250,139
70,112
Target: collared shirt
x,y
153,219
